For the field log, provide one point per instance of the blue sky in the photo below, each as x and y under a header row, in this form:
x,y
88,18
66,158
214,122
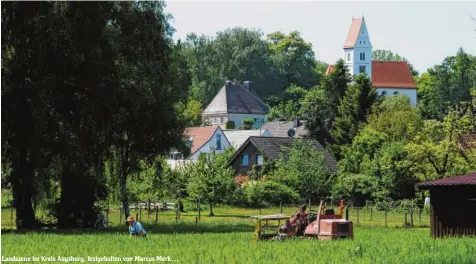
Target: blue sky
x,y
423,32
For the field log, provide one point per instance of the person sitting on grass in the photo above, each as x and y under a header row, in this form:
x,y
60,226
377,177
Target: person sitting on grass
x,y
135,228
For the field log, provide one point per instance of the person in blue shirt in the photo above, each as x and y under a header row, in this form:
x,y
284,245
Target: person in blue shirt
x,y
135,228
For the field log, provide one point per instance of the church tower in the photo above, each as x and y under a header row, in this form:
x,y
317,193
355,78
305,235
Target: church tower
x,y
358,49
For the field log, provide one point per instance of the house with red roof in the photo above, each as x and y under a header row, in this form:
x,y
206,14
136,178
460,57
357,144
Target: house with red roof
x,y
388,77
203,139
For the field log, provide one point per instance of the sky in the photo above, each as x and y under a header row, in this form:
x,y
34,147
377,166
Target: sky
x,y
423,32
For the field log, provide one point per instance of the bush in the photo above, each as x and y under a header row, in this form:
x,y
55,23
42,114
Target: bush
x,y
230,125
264,193
248,123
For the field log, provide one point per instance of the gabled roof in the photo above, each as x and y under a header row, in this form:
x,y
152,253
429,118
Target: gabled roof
x,y
200,135
392,74
280,129
238,137
236,99
353,33
389,74
271,147
468,179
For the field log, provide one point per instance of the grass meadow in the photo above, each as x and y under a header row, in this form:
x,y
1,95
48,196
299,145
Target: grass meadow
x,y
227,238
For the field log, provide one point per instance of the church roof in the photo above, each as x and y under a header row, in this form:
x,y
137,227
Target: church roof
x,y
392,74
236,99
353,33
389,74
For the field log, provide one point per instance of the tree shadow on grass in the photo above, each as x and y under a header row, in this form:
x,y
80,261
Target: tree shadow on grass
x,y
174,228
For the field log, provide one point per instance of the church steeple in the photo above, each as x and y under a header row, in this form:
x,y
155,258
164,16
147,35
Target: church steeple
x,y
358,49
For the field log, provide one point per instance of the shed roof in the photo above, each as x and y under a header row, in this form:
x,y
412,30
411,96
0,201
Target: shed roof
x,y
468,179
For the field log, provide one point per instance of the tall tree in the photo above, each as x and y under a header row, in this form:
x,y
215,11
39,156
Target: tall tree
x,y
294,57
352,112
319,107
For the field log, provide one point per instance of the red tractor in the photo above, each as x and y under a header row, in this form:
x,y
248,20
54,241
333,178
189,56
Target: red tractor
x,y
323,225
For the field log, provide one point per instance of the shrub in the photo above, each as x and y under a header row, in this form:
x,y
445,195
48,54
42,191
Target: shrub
x,y
230,124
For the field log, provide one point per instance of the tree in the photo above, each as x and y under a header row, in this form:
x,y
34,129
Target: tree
x,y
267,192
352,112
428,101
434,150
192,112
147,123
294,58
290,106
302,168
387,55
320,105
210,179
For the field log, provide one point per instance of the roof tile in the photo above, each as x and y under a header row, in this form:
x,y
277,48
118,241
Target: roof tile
x,y
200,135
392,74
468,179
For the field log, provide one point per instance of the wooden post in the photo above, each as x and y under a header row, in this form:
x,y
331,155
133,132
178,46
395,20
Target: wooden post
x,y
385,218
371,209
260,211
358,220
281,207
156,215
196,221
411,217
140,213
347,213
199,210
148,210
107,214
419,215
137,217
120,215
176,215
406,222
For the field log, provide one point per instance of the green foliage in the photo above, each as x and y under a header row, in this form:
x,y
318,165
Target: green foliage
x,y
267,192
302,168
352,112
209,178
320,106
230,124
248,123
290,106
192,112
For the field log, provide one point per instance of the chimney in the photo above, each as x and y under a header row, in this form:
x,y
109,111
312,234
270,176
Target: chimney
x,y
246,84
228,83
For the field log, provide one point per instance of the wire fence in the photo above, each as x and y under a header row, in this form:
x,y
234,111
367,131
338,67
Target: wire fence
x,y
151,213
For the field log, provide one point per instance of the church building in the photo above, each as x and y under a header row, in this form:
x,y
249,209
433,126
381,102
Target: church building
x,y
388,77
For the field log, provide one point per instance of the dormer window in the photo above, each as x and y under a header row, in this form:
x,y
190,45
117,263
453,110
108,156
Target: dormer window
x,y
348,56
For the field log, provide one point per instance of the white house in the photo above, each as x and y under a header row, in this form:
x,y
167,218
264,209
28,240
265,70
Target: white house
x,y
204,139
235,102
388,77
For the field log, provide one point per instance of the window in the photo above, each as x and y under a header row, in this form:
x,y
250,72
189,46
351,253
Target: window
x,y
222,120
244,160
218,138
395,93
384,93
362,69
262,120
259,159
361,42
364,41
362,32
362,56
348,56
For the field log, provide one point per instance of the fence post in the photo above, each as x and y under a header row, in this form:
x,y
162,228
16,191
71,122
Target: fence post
x,y
411,217
148,210
199,210
385,218
107,213
260,211
406,222
176,215
120,214
156,215
371,211
137,217
347,213
358,220
281,207
196,221
140,213
419,215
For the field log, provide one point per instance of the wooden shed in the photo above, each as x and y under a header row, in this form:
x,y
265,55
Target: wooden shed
x,y
453,205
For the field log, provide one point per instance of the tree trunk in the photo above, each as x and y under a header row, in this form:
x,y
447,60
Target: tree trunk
x,y
211,209
22,187
123,179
